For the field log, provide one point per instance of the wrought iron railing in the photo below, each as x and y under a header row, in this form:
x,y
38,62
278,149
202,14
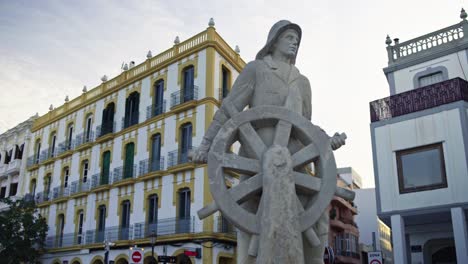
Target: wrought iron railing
x,y
100,180
177,157
42,197
419,99
130,121
85,137
147,166
79,186
105,128
60,192
167,226
446,37
122,173
182,96
224,226
155,110
64,240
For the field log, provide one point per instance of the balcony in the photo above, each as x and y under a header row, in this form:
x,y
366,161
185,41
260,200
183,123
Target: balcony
x,y
83,138
180,97
65,240
79,186
130,121
97,180
419,99
67,145
42,197
155,110
146,166
177,157
13,167
60,192
104,129
122,173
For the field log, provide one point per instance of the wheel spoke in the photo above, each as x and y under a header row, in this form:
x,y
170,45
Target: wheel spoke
x,y
307,183
282,134
240,164
251,140
305,155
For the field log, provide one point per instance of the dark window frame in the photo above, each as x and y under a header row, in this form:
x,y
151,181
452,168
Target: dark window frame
x,y
400,153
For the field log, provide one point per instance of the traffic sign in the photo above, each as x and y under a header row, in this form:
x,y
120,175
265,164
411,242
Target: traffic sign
x,y
136,257
374,257
167,259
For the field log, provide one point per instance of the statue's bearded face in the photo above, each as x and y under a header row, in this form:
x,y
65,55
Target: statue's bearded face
x,y
287,43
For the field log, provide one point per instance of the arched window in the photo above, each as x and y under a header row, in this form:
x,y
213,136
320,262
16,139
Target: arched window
x,y
66,174
47,186
60,228
129,160
32,188
107,125
105,168
69,144
79,231
185,142
225,81
125,220
88,128
84,171
156,152
101,224
184,210
52,142
37,153
188,85
132,109
152,214
158,98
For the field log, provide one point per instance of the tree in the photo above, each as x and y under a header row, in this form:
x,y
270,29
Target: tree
x,y
22,232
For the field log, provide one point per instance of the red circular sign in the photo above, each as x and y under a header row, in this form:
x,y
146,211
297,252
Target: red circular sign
x,y
136,256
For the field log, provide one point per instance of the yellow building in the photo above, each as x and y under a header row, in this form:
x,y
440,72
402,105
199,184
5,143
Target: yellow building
x,y
112,164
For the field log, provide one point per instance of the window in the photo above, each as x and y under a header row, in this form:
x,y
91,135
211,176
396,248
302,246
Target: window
x,y
53,139
158,98
3,192
19,151
101,223
60,227
156,152
85,170
66,174
8,155
88,129
131,109
79,237
185,142
188,84
13,189
125,221
431,79
32,188
421,168
47,184
69,137
108,119
129,159
152,213
105,171
225,78
184,210
38,152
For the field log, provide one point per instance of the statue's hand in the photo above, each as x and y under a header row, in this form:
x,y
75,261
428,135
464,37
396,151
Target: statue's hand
x,y
338,140
200,154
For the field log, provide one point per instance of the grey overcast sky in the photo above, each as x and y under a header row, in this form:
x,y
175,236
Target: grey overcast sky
x,y
50,49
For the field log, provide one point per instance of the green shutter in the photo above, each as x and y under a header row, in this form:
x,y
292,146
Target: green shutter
x,y
105,168
129,156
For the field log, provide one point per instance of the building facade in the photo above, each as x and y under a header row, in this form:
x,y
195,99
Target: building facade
x,y
344,234
374,234
420,146
113,164
13,160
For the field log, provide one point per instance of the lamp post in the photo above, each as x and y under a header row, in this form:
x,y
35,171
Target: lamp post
x,y
153,240
107,245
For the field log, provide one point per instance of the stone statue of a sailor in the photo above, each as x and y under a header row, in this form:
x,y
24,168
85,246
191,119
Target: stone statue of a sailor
x,y
273,79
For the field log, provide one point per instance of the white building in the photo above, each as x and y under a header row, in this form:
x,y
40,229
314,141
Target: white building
x,y
420,146
112,164
373,232
13,161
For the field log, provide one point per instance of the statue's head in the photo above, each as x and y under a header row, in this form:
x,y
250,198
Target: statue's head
x,y
285,37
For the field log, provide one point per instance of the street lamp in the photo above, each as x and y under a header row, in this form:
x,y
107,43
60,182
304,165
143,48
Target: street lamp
x,y
153,240
107,245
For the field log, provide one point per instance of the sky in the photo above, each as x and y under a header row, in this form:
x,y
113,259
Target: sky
x,y
50,49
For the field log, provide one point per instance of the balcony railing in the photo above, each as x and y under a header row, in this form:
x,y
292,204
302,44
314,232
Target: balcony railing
x,y
66,145
419,99
65,240
42,197
105,129
97,180
224,226
60,192
181,97
440,39
177,157
155,110
130,121
85,137
122,173
79,186
167,226
147,166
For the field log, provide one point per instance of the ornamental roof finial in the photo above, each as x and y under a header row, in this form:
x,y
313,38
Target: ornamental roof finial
x,y
463,14
388,40
176,40
85,89
237,49
149,55
211,23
